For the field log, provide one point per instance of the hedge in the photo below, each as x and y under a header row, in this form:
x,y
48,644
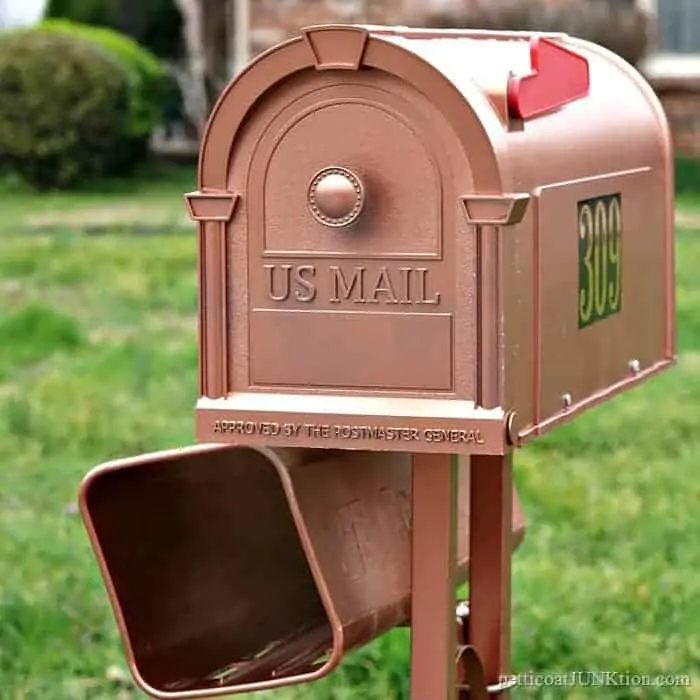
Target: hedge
x,y
147,78
64,108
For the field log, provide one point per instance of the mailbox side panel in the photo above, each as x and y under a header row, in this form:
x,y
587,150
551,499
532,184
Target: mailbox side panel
x,y
613,325
595,251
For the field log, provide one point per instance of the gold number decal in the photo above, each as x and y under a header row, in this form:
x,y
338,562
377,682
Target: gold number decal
x,y
585,228
600,258
614,251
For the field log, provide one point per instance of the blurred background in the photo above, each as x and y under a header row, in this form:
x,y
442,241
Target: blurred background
x,y
180,53
102,106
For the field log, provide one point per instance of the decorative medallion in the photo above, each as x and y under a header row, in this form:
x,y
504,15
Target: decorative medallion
x,y
336,197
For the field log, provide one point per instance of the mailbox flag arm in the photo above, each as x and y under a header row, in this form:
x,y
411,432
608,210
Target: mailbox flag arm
x,y
558,76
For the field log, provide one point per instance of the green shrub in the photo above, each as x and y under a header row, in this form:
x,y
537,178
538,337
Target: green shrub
x,y
620,27
63,108
147,78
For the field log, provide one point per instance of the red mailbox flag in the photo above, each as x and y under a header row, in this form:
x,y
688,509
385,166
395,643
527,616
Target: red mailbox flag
x,y
558,76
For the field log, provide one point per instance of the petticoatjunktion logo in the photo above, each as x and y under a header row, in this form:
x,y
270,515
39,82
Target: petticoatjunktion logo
x,y
597,679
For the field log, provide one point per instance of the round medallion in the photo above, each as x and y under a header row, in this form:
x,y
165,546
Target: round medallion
x,y
336,197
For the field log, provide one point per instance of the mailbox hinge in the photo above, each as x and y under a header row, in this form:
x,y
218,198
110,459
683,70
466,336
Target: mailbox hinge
x,y
495,210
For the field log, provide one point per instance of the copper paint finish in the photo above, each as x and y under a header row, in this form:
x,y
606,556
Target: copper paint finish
x,y
336,196
400,261
469,237
232,569
434,576
491,520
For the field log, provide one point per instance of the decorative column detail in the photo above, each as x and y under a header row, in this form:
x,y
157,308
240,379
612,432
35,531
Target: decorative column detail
x,y
212,211
488,213
495,210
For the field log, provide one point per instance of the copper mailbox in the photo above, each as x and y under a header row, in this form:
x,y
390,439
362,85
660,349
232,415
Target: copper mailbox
x,y
410,242
419,240
232,569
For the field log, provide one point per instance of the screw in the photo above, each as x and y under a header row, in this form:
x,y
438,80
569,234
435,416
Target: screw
x,y
634,366
567,400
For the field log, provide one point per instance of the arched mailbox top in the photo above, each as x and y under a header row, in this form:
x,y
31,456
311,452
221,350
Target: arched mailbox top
x,y
351,48
480,81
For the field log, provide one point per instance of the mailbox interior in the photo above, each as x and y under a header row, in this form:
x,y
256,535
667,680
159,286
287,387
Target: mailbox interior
x,y
205,569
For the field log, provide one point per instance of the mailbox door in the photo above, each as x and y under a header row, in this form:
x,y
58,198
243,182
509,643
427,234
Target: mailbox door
x,y
352,266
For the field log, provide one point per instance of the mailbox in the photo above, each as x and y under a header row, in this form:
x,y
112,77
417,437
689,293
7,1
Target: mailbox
x,y
234,568
410,242
421,240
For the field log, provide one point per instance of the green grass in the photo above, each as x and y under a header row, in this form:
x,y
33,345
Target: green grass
x,y
98,360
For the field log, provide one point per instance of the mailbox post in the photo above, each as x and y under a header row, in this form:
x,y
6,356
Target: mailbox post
x,y
418,250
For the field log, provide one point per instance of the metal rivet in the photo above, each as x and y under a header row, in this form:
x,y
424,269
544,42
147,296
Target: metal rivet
x,y
567,400
634,366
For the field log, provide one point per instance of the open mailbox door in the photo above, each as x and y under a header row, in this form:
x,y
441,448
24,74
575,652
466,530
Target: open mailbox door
x,y
237,568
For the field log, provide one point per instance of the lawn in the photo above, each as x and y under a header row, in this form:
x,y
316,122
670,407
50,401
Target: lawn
x,y
98,360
